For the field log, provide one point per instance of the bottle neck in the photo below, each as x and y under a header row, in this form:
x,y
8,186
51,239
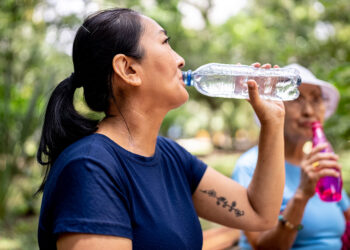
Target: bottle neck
x,y
187,77
318,136
317,130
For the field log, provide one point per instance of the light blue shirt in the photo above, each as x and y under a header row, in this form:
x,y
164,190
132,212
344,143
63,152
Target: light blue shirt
x,y
324,222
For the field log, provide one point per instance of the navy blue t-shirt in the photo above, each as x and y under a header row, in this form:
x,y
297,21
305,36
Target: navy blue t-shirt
x,y
97,187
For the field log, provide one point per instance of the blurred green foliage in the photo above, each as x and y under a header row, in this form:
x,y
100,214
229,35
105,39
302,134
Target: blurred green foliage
x,y
29,69
36,38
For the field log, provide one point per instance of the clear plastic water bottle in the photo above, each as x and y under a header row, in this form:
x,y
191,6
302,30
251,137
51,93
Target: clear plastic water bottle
x,y
229,81
328,188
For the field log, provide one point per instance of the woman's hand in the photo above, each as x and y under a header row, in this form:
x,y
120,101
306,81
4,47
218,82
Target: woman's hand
x,y
314,166
268,111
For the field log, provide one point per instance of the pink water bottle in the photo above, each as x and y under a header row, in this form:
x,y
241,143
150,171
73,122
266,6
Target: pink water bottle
x,y
328,188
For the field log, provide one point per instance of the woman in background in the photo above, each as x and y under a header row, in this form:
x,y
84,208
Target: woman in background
x,y
306,222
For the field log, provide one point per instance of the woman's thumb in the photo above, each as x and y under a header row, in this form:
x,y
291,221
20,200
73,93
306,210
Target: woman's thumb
x,y
253,92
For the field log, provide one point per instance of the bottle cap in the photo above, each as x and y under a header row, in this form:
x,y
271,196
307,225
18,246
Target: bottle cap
x,y
329,92
186,77
299,81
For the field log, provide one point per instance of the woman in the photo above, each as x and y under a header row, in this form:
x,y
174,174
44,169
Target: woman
x,y
306,222
114,183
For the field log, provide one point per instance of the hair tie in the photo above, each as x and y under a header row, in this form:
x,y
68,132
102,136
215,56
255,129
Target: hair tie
x,y
73,79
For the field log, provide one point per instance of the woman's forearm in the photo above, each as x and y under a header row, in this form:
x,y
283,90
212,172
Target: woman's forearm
x,y
283,237
266,188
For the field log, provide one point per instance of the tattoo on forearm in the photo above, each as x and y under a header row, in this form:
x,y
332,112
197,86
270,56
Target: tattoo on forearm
x,y
220,200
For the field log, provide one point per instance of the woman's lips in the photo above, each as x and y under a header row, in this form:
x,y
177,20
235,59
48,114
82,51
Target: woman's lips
x,y
182,81
307,124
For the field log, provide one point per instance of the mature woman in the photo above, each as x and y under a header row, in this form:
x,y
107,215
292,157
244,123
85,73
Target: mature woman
x,y
116,184
306,222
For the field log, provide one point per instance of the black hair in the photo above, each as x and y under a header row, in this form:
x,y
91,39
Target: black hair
x,y
102,36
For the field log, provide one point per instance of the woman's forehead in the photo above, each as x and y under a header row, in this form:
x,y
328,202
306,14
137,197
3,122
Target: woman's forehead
x,y
150,25
308,89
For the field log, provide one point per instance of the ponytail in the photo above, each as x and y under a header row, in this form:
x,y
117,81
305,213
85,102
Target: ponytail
x,y
103,35
63,125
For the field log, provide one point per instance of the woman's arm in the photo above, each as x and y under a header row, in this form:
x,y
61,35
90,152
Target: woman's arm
x,y
281,236
347,214
77,241
224,201
344,204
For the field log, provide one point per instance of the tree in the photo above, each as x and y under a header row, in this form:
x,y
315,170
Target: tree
x,y
29,68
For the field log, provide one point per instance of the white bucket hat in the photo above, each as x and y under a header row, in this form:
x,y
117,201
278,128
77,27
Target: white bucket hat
x,y
329,92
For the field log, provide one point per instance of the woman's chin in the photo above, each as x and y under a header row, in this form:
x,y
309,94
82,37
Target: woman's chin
x,y
182,99
306,137
304,132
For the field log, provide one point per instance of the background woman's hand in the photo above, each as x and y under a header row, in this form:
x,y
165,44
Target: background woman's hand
x,y
268,111
314,166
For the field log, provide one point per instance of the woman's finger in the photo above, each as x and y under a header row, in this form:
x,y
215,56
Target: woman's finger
x,y
256,65
327,172
266,66
316,150
322,156
254,97
317,165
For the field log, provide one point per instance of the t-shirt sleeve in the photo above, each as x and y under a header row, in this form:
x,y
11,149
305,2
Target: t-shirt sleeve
x,y
198,168
88,198
344,203
194,167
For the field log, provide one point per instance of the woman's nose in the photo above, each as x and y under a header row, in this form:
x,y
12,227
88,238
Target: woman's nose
x,y
308,108
179,60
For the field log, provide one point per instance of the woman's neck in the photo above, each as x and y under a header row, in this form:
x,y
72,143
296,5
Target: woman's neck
x,y
135,132
294,151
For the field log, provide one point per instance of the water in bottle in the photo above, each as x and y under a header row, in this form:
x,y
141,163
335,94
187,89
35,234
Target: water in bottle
x,y
230,81
328,188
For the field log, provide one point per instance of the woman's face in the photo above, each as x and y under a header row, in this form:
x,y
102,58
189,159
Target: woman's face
x,y
300,113
160,68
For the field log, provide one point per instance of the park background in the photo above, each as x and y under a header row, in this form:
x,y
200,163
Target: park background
x,y
35,47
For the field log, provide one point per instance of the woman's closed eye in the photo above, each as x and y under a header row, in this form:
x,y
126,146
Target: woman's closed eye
x,y
317,100
167,39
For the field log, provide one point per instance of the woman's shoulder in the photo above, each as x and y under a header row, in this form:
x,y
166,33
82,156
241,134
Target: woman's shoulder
x,y
92,142
164,140
94,146
90,156
170,146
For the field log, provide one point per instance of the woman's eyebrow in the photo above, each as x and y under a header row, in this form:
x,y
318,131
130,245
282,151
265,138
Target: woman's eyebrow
x,y
164,32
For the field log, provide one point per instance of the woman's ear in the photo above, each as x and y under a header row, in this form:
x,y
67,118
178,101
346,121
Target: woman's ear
x,y
125,67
